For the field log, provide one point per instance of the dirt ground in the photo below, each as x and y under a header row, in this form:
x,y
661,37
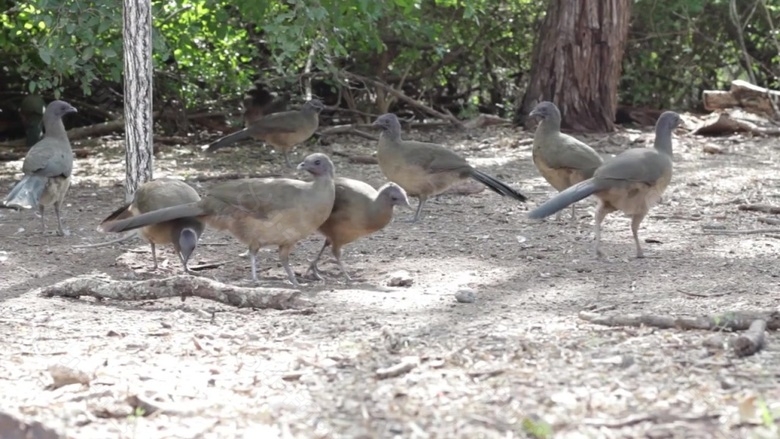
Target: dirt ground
x,y
518,362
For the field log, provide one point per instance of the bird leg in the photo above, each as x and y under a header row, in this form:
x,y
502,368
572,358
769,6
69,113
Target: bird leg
x,y
154,255
287,159
635,221
420,205
337,255
601,212
253,259
574,212
184,263
43,222
60,230
313,266
284,258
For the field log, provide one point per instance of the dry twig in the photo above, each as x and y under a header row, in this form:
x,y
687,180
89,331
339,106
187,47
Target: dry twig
x,y
731,320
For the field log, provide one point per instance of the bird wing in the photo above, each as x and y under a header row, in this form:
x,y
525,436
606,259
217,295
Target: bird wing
x,y
49,158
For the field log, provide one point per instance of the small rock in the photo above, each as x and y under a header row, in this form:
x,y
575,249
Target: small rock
x,y
466,295
400,278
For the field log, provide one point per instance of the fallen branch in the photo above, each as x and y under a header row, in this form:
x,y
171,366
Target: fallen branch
x,y
750,341
175,286
731,320
770,221
231,176
347,129
10,156
738,232
417,105
764,208
126,237
358,159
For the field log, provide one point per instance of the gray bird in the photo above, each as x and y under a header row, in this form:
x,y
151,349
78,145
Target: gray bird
x,y
632,183
47,168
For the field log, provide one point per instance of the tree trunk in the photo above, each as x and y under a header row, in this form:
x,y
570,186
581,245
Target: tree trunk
x,y
137,33
577,62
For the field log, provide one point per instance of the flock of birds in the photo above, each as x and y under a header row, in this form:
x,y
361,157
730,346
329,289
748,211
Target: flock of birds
x,y
280,212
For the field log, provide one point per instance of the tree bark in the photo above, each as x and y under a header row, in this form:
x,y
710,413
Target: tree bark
x,y
577,62
137,36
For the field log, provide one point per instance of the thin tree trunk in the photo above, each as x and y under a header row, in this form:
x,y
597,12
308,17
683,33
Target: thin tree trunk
x,y
577,62
137,33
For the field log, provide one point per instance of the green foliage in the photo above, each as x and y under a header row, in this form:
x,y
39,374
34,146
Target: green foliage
x,y
467,54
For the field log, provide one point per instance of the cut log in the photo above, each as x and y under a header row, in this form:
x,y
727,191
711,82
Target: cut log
x,y
750,341
736,121
743,94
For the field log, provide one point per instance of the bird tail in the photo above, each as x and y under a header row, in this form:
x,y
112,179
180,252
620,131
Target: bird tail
x,y
26,193
119,214
228,140
153,217
562,200
497,186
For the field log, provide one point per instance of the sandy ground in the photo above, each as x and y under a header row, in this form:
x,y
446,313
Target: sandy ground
x,y
517,363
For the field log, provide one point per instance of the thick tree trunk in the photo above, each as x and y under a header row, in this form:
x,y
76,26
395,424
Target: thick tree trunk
x,y
137,33
577,62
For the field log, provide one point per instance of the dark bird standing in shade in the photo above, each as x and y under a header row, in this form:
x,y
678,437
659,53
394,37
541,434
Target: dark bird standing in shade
x,y
280,130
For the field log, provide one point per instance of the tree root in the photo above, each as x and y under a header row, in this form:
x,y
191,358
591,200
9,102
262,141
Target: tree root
x,y
182,285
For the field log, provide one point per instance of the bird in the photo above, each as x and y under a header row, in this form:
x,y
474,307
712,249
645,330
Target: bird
x,y
259,102
31,110
358,210
426,169
280,130
560,158
632,182
259,212
47,168
183,233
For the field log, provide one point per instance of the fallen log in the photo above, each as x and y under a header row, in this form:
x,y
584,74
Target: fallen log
x,y
736,121
175,286
731,320
753,98
750,341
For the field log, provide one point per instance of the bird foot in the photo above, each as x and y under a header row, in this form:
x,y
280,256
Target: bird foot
x,y
313,273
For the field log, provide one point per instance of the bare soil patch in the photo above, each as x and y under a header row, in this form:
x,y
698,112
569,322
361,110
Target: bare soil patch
x,y
366,360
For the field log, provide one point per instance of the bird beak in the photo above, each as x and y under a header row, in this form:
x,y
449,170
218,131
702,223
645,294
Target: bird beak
x,y
71,110
301,165
376,124
533,114
407,205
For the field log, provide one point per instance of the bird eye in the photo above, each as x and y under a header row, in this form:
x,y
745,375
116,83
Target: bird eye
x,y
317,162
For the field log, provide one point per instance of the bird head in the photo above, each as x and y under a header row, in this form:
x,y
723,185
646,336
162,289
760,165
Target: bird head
x,y
395,195
187,242
317,164
669,120
59,108
387,122
544,110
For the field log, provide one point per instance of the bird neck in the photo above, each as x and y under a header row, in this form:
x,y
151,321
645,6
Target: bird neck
x,y
551,125
54,128
392,134
663,140
379,212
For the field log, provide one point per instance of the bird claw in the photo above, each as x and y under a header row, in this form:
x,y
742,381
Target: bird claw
x,y
313,273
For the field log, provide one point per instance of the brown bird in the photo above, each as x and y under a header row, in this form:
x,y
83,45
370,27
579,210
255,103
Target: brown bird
x,y
259,212
47,168
358,210
632,183
426,169
561,159
153,195
280,130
